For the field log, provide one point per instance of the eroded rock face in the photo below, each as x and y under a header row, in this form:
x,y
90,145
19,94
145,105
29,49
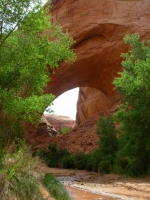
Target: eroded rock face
x,y
59,122
90,102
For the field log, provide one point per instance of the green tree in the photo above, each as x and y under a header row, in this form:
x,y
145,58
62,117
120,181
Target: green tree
x,y
31,48
108,144
133,115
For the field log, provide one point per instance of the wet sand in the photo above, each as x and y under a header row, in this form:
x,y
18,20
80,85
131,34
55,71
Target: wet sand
x,y
85,185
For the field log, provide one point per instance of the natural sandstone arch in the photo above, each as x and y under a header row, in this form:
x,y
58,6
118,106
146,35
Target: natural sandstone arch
x,y
98,32
98,28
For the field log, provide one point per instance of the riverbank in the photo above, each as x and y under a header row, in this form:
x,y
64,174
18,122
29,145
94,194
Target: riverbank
x,y
85,185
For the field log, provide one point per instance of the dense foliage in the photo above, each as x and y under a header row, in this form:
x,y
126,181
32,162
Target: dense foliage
x,y
61,158
133,115
56,189
30,48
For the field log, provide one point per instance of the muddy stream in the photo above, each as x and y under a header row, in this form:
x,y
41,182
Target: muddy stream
x,y
85,185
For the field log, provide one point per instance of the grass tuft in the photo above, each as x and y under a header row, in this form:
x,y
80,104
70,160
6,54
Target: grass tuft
x,y
55,188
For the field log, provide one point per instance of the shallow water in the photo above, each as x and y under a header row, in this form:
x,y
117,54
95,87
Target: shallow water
x,y
77,194
67,177
86,185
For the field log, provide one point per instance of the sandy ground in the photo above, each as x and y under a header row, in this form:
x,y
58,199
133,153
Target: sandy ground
x,y
85,185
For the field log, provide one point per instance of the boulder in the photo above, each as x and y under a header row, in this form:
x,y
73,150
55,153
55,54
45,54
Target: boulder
x,y
44,127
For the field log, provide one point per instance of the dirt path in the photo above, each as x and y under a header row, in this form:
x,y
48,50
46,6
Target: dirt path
x,y
85,185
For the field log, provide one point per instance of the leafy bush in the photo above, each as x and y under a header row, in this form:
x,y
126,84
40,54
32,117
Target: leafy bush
x,y
58,157
107,134
93,160
108,143
106,164
66,130
55,188
79,160
67,161
53,156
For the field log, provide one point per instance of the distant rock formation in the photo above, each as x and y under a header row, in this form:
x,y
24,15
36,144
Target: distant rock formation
x,y
59,121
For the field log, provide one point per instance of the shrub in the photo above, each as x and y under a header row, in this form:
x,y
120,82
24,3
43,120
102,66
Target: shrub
x,y
66,130
108,144
18,175
79,160
106,164
55,188
93,160
53,156
67,161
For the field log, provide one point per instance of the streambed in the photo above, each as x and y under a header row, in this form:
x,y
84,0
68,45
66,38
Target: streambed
x,y
85,185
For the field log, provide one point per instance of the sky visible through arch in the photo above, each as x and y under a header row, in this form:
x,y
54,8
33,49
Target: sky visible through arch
x,y
65,104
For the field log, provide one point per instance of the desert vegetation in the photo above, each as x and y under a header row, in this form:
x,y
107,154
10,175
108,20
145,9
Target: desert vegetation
x,y
66,130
